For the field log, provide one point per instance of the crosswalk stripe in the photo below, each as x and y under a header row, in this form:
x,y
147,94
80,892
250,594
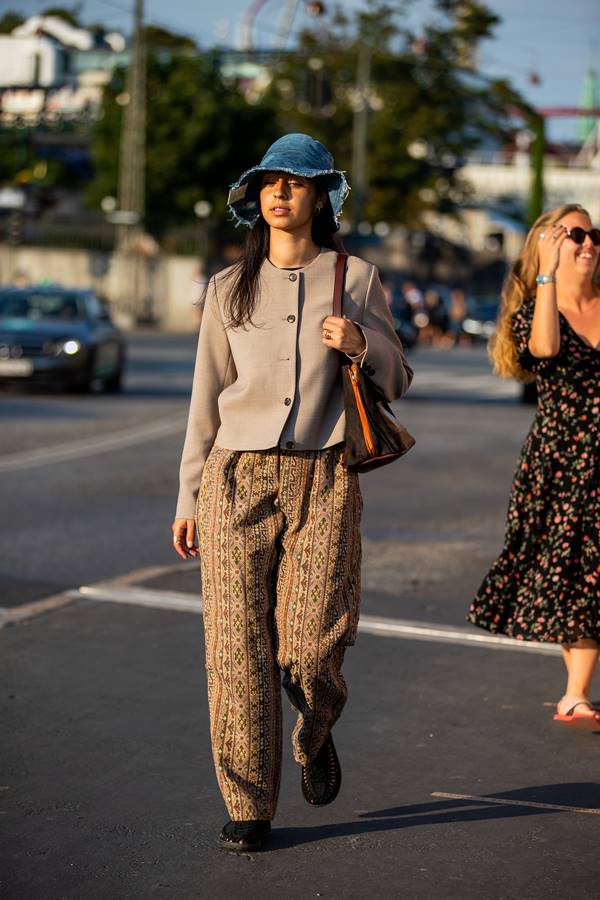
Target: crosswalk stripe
x,y
443,795
374,625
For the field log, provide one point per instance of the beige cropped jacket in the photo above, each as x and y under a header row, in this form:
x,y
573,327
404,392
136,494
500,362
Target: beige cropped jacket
x,y
273,382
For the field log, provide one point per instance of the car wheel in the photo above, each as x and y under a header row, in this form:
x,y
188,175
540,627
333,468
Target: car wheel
x,y
114,384
86,381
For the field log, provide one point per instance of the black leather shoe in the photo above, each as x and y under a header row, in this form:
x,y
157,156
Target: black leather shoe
x,y
244,836
322,778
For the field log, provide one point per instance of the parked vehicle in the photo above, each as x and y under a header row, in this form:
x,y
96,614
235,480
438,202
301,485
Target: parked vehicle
x,y
480,322
481,325
60,335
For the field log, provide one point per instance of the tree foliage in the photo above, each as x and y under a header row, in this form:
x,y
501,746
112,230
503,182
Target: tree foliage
x,y
10,20
427,106
200,134
158,38
67,15
428,109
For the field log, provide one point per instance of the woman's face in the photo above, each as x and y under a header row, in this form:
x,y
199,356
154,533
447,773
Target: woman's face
x,y
287,202
577,259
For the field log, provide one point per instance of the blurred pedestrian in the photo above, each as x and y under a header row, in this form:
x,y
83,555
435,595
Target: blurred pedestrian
x,y
263,480
545,585
437,319
413,297
457,314
20,279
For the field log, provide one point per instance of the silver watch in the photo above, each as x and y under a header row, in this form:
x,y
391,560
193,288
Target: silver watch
x,y
545,279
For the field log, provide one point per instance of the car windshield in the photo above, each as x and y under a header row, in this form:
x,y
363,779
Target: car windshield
x,y
31,304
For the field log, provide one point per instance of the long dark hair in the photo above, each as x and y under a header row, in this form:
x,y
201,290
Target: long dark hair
x,y
243,288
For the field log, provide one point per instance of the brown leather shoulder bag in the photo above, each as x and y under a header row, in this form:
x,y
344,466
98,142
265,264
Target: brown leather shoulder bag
x,y
374,437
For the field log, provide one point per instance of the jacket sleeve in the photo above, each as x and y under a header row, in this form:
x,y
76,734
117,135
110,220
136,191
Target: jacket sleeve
x,y
214,370
383,360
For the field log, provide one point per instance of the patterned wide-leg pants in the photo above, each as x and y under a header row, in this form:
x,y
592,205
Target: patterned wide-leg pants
x,y
279,538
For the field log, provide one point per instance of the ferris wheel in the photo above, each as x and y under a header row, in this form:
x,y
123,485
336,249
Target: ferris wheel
x,y
286,20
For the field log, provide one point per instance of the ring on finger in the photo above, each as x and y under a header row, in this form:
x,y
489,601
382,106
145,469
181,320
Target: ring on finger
x,y
327,335
176,539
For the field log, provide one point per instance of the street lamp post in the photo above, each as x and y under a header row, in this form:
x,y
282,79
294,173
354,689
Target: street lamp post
x,y
360,133
132,166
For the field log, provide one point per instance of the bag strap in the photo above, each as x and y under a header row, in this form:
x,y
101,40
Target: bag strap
x,y
338,290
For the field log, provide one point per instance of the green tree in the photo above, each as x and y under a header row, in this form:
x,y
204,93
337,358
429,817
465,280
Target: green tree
x,y
201,133
10,20
62,12
428,106
158,38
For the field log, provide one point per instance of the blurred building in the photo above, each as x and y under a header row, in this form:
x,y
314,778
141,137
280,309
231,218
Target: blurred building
x,y
571,175
52,71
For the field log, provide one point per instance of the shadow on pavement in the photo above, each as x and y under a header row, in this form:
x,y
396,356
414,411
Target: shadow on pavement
x,y
585,795
444,812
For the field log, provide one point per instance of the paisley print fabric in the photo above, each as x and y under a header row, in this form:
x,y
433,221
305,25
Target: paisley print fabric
x,y
545,585
279,538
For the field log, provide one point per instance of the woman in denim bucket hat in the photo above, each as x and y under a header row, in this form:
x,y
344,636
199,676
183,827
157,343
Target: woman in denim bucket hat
x,y
263,484
293,154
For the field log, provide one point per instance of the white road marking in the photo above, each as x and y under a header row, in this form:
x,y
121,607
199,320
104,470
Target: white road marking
x,y
136,596
16,614
147,573
408,629
91,446
468,383
447,634
529,803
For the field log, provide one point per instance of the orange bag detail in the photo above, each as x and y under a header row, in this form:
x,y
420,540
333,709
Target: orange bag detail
x,y
354,376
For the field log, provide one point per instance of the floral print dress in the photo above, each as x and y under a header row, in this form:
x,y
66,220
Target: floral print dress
x,y
545,585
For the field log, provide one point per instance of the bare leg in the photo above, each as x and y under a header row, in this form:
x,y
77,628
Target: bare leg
x,y
580,659
566,652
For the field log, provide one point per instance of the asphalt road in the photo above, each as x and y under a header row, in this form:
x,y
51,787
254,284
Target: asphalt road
x,y
457,784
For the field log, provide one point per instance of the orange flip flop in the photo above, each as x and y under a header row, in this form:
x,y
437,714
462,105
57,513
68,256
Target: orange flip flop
x,y
579,721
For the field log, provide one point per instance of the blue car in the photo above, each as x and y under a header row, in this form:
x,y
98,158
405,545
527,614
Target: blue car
x,y
59,335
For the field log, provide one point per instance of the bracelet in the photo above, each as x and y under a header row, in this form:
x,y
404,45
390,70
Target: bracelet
x,y
545,279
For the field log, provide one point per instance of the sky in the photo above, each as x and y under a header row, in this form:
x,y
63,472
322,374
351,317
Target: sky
x,y
555,39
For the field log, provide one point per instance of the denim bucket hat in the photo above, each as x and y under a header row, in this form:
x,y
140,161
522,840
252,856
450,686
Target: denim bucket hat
x,y
295,154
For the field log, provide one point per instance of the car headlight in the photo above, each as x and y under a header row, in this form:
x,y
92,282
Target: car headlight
x,y
56,348
70,347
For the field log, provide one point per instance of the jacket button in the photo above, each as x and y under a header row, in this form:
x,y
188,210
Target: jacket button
x,y
289,445
291,318
292,276
287,401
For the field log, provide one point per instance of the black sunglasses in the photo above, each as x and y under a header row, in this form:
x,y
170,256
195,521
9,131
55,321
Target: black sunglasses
x,y
578,234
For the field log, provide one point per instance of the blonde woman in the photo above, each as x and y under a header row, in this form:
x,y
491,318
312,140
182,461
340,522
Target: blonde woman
x,y
545,585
